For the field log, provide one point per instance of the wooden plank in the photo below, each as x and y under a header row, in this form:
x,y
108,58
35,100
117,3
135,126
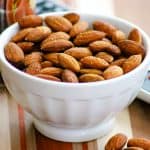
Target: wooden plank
x,y
140,118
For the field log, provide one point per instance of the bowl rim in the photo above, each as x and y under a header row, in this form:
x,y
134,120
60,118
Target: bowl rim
x,y
26,76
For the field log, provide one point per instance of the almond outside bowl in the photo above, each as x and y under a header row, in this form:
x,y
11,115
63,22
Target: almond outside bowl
x,y
70,111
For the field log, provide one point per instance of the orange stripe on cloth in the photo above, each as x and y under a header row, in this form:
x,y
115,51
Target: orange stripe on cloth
x,y
44,143
85,146
22,128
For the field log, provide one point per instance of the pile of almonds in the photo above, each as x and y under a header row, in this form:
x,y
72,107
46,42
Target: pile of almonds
x,y
67,49
119,141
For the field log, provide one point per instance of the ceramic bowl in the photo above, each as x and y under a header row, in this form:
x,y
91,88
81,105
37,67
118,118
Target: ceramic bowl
x,y
71,111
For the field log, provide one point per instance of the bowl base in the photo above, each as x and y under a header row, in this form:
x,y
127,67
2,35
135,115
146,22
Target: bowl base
x,y
74,135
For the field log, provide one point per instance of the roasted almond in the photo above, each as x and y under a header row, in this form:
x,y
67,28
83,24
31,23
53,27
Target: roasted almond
x,y
87,37
106,56
52,57
131,63
99,46
90,77
58,23
54,71
69,76
104,27
56,45
130,47
117,36
38,34
72,17
78,52
18,37
13,53
68,62
117,142
139,142
26,46
32,57
107,40
56,36
30,21
94,62
33,68
79,27
135,35
119,62
48,77
133,148
90,71
46,64
113,72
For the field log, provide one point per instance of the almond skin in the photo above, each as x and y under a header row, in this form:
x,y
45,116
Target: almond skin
x,y
135,35
131,47
54,71
13,53
78,52
46,64
30,21
33,68
69,76
38,34
139,142
106,56
48,77
87,37
56,45
20,36
58,23
104,27
26,46
119,62
133,148
99,46
52,57
131,63
32,57
79,27
112,72
117,36
90,71
56,36
68,62
90,78
117,142
72,17
94,62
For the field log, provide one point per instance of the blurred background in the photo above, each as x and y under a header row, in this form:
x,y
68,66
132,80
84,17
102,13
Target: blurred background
x,y
136,11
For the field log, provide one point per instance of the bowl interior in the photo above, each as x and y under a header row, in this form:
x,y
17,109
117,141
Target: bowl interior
x,y
119,23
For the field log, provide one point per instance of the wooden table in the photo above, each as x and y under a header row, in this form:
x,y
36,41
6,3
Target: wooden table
x,y
17,131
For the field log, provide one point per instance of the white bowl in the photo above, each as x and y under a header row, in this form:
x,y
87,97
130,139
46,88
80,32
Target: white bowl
x,y
70,111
